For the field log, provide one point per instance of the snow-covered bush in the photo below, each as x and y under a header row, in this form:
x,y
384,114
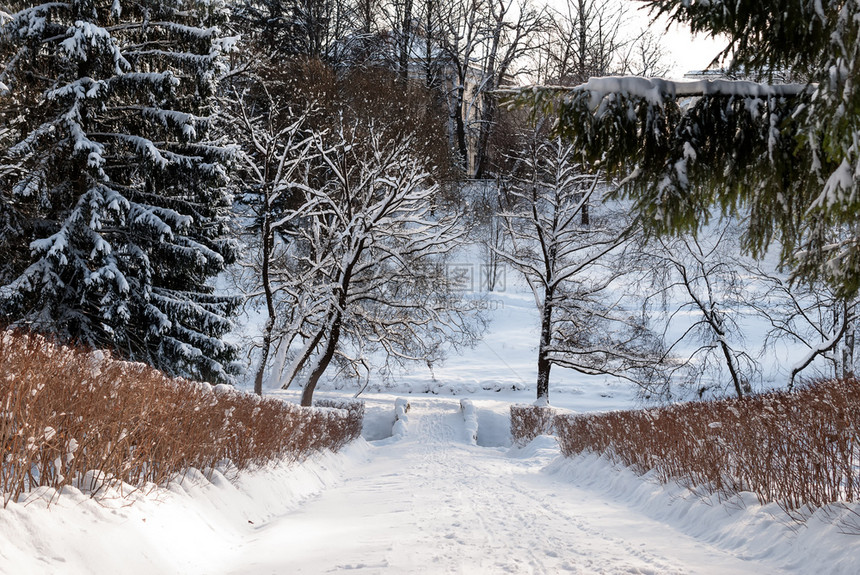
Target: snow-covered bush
x,y
355,414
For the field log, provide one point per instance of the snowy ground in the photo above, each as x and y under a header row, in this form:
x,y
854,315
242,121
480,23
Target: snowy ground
x,y
424,502
502,367
429,501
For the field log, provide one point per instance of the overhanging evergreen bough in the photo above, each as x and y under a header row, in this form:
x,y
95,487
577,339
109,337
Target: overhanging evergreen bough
x,y
787,156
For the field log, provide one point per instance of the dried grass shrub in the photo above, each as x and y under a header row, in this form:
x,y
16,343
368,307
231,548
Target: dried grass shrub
x,y
354,415
70,416
795,449
530,421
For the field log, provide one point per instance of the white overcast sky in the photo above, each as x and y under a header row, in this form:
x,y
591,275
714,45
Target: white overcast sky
x,y
686,52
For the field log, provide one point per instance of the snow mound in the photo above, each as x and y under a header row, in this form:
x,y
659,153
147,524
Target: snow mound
x,y
189,527
541,447
825,542
401,420
470,417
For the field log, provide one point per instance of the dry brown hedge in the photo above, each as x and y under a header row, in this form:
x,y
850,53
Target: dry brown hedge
x,y
795,449
529,421
65,412
354,415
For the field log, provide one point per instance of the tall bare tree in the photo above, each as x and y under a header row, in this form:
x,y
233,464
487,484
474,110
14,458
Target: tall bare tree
x,y
699,283
480,43
567,265
813,317
644,55
582,39
365,263
275,145
589,38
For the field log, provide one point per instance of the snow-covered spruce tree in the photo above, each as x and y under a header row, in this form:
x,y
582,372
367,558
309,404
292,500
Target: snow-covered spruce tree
x,y
786,155
568,261
363,277
113,204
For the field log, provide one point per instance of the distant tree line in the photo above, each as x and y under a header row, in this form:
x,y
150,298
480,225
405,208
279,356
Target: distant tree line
x,y
164,163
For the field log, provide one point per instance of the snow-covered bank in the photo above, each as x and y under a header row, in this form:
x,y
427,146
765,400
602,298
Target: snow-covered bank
x,y
826,542
427,501
189,527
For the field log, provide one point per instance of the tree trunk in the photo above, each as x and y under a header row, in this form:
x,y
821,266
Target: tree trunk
x,y
460,127
303,357
582,25
270,304
264,356
406,41
740,386
848,345
428,44
487,122
334,332
323,361
544,364
848,356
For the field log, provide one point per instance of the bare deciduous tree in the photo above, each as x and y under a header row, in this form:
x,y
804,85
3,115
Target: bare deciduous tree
x,y
702,291
567,264
365,260
812,316
480,41
586,38
582,39
644,55
275,146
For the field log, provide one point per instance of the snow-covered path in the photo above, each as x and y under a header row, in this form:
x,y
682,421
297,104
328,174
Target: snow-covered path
x,y
431,503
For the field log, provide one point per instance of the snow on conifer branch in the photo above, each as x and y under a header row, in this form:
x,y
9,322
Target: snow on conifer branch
x,y
112,173
785,154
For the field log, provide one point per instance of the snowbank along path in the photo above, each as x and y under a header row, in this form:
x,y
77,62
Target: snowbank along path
x,y
429,502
